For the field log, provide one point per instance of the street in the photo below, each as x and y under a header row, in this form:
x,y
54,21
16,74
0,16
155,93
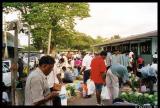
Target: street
x,y
87,101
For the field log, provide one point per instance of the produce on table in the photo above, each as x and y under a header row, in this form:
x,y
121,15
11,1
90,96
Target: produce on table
x,y
134,81
139,98
71,90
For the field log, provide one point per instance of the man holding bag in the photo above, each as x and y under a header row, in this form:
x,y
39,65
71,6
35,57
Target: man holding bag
x,y
98,68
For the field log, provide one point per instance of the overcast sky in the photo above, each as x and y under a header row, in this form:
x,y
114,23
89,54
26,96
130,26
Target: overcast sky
x,y
108,19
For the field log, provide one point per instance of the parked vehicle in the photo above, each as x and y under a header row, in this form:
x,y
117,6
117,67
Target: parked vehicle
x,y
7,62
33,61
6,75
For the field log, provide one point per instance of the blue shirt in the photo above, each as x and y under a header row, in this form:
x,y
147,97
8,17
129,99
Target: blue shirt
x,y
147,71
68,76
120,71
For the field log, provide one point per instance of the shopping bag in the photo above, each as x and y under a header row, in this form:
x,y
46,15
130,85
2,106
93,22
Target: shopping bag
x,y
90,87
63,95
105,93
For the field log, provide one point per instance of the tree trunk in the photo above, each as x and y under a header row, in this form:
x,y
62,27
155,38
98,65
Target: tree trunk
x,y
53,52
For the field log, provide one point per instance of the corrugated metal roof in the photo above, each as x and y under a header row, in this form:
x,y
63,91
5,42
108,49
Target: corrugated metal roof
x,y
132,37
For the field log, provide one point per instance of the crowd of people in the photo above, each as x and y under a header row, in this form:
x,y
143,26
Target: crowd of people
x,y
104,68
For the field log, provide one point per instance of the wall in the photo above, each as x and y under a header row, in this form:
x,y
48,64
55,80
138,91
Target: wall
x,y
154,45
147,58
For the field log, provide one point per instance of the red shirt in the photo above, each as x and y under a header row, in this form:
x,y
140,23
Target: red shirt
x,y
140,60
98,67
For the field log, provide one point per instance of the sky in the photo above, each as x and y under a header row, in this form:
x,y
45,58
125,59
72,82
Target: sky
x,y
108,19
124,19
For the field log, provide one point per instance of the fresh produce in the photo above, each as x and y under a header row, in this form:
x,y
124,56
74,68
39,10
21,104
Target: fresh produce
x,y
139,98
134,81
80,77
71,90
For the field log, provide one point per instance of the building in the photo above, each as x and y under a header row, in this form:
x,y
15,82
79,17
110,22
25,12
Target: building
x,y
142,44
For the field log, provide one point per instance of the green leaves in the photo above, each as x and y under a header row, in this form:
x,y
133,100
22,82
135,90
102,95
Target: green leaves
x,y
59,17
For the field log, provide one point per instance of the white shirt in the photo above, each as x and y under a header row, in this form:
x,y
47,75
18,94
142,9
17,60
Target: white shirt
x,y
65,60
52,77
155,56
72,63
36,88
155,66
130,54
87,61
108,59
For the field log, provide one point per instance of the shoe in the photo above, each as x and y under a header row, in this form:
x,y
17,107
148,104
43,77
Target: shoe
x,y
88,96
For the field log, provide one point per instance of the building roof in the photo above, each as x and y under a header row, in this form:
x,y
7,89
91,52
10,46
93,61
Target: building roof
x,y
131,38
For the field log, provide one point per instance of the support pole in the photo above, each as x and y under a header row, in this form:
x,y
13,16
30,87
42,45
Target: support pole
x,y
14,66
49,41
28,48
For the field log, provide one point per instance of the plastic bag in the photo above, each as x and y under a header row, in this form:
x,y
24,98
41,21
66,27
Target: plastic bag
x,y
90,87
143,88
105,93
63,95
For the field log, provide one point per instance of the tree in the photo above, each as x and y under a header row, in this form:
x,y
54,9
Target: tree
x,y
82,41
59,17
115,37
99,40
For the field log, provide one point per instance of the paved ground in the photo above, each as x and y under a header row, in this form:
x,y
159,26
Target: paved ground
x,y
87,101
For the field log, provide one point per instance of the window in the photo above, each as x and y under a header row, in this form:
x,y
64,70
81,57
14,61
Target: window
x,y
134,48
125,47
145,47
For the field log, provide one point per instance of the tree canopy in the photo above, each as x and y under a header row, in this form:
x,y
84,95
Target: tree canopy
x,y
60,17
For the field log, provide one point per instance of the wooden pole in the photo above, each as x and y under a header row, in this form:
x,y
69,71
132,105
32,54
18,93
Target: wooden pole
x,y
14,65
28,48
49,41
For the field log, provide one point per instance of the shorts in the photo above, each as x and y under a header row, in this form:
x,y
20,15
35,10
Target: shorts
x,y
86,76
99,87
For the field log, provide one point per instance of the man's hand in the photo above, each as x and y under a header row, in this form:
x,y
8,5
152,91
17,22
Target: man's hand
x,y
48,97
